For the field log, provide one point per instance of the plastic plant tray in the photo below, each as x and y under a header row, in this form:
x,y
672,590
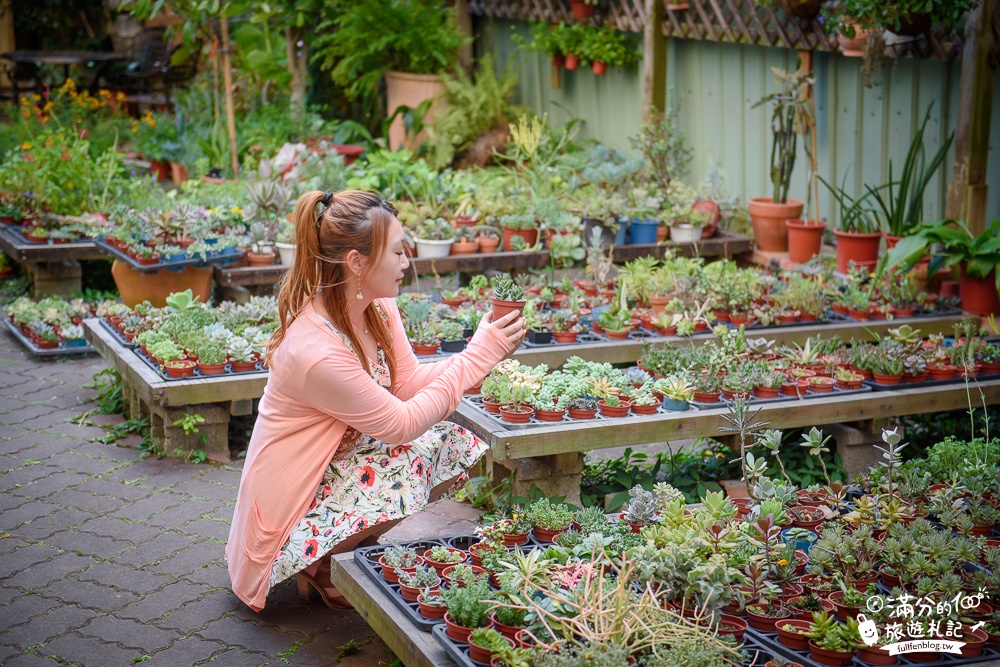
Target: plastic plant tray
x,y
178,265
476,400
18,234
928,383
757,653
367,558
61,351
769,641
120,339
228,372
808,395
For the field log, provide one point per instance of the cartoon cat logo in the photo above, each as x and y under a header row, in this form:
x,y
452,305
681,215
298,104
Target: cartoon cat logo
x,y
868,631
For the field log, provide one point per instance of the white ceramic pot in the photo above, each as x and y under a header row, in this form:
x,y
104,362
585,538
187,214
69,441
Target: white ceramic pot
x,y
428,249
287,253
685,233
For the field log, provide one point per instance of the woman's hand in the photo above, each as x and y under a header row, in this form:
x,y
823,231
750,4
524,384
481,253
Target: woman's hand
x,y
511,326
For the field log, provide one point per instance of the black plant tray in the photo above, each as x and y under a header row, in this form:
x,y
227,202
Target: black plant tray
x,y
928,383
120,339
757,653
178,265
367,558
20,237
60,351
197,375
476,401
769,641
781,397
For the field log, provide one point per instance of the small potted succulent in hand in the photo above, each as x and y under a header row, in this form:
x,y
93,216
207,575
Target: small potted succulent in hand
x,y
507,296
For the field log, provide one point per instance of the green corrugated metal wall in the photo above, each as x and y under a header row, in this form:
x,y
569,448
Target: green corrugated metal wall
x,y
860,129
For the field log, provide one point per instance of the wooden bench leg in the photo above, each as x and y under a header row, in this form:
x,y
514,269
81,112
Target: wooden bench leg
x,y
212,436
555,475
62,278
857,445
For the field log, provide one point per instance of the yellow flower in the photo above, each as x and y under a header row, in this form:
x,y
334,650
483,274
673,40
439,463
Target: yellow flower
x,y
25,146
720,455
515,517
783,561
706,453
236,210
120,96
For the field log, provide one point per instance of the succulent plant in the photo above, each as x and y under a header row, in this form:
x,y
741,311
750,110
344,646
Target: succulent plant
x,y
642,507
506,289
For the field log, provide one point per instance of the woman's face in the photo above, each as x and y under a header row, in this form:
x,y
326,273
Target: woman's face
x,y
384,279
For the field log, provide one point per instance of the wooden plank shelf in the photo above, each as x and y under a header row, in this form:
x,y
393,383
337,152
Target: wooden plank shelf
x,y
35,253
581,436
723,244
411,645
628,351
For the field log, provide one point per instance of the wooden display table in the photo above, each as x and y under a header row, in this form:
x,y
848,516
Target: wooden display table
x,y
723,244
551,456
147,395
54,268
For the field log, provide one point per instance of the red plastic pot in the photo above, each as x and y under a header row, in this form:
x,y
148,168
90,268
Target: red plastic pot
x,y
459,633
549,415
805,239
599,68
511,416
795,640
614,410
768,218
861,248
582,414
581,10
832,658
979,295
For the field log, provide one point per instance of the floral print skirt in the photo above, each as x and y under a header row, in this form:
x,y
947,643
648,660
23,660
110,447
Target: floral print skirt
x,y
371,482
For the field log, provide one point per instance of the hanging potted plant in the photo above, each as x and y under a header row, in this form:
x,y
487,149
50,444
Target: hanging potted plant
x,y
789,117
805,9
583,9
978,257
606,47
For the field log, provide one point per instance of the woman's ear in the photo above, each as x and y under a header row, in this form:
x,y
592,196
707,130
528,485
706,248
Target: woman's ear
x,y
355,261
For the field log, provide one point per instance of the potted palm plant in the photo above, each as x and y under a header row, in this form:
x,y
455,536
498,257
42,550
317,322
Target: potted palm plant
x,y
790,115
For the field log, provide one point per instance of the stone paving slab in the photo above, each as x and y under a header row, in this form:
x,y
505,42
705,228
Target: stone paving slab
x,y
110,557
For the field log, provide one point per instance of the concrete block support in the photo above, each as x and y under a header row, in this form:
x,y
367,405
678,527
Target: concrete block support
x,y
60,278
555,475
856,446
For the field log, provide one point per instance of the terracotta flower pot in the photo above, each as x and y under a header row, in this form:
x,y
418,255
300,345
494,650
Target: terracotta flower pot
x,y
706,397
409,89
483,656
826,657
843,610
465,248
874,655
565,336
411,593
511,416
575,413
459,633
530,236
211,369
508,631
487,244
794,639
431,612
581,10
979,295
425,349
260,259
801,8
614,410
768,218
763,623
440,566
514,539
572,62
805,238
549,415
501,308
491,406
888,379
644,409
545,534
861,248
853,47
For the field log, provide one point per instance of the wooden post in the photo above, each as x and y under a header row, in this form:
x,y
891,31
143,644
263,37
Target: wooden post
x,y
227,76
464,20
654,62
806,67
297,55
6,35
967,195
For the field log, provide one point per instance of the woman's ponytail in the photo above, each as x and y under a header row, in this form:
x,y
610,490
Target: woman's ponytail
x,y
302,279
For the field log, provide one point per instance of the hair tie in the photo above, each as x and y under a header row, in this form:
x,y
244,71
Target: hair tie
x,y
327,199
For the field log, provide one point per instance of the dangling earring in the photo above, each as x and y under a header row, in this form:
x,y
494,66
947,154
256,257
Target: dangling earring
x,y
360,295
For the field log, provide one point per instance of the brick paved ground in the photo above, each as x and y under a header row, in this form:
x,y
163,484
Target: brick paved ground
x,y
109,557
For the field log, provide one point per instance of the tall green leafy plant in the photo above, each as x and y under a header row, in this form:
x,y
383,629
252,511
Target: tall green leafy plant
x,y
902,202
855,215
790,116
370,37
980,253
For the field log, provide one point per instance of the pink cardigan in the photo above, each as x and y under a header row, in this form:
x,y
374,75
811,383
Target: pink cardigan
x,y
316,389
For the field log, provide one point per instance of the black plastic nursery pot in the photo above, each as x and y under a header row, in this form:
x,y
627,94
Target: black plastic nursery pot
x,y
540,337
453,345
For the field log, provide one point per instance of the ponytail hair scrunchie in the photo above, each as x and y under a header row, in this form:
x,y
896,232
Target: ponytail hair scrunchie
x,y
327,199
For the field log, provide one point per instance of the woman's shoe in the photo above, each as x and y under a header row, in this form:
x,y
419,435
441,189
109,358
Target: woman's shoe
x,y
309,587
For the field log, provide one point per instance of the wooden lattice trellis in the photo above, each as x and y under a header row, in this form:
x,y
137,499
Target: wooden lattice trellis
x,y
734,21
